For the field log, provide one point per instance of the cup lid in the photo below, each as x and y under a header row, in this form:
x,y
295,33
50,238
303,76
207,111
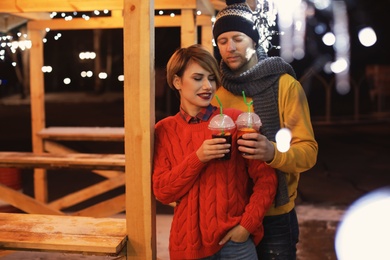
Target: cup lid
x,y
221,121
250,119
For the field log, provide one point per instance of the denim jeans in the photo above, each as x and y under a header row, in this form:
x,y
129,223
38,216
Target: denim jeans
x,y
235,251
280,237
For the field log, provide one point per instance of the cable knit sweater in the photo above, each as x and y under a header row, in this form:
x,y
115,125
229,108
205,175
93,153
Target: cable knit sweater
x,y
212,197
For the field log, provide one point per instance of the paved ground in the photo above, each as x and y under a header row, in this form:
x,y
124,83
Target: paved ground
x,y
353,160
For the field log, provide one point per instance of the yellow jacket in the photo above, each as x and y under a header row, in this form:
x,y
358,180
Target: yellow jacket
x,y
294,114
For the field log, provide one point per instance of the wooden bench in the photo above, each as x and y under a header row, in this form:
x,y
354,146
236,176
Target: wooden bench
x,y
52,161
83,133
70,234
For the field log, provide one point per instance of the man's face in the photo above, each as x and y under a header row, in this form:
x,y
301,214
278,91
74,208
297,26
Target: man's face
x,y
237,50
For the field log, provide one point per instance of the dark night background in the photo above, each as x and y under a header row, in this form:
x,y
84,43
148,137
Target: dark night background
x,y
63,56
353,154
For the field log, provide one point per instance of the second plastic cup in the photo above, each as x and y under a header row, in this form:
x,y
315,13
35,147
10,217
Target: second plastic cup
x,y
221,126
247,122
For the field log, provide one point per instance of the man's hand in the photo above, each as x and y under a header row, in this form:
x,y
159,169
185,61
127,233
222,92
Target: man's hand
x,y
212,149
237,234
256,146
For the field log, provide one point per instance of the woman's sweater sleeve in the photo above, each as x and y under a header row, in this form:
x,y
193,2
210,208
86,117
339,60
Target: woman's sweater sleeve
x,y
264,190
172,178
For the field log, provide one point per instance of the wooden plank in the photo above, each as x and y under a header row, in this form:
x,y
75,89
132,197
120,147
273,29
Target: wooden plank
x,y
56,148
54,161
62,233
24,202
83,133
139,98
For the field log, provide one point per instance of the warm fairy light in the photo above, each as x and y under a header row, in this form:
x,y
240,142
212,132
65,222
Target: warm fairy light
x,y
87,55
67,81
102,75
47,69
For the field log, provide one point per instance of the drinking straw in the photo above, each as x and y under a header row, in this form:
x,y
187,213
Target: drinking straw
x,y
220,104
248,104
249,109
221,111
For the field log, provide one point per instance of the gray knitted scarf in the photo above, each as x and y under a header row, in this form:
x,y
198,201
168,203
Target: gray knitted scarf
x,y
261,82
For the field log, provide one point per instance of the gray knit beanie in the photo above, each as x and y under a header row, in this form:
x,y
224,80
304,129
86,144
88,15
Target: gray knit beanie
x,y
236,16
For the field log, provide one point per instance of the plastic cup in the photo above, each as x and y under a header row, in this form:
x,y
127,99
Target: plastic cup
x,y
247,122
222,126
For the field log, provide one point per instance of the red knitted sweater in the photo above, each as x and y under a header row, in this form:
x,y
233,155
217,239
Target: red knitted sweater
x,y
212,197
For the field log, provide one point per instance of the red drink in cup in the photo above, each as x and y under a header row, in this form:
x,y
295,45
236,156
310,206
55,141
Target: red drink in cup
x,y
221,126
247,122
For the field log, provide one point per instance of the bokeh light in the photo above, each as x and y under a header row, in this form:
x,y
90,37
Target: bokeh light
x,y
367,36
283,139
364,230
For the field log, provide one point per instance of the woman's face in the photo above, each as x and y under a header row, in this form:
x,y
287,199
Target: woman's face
x,y
197,87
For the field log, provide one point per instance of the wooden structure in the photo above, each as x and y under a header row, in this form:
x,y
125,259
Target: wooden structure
x,y
133,237
378,77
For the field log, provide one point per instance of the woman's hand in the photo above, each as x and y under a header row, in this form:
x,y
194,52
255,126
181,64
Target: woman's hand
x,y
237,234
212,149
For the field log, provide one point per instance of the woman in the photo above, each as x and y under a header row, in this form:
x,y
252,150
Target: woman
x,y
220,203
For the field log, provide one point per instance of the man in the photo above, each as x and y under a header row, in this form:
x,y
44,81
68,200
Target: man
x,y
279,99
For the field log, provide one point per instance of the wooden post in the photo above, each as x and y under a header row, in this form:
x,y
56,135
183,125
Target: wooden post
x,y
139,112
37,99
207,32
188,33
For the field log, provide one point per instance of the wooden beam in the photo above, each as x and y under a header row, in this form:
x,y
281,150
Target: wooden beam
x,y
139,111
78,23
37,90
34,16
20,6
25,203
174,4
110,22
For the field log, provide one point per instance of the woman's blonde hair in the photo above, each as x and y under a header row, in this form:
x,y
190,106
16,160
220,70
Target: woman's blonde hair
x,y
179,61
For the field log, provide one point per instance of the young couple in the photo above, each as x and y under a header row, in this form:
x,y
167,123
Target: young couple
x,y
242,208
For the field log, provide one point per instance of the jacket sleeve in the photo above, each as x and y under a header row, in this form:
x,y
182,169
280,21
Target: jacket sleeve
x,y
171,178
295,115
264,190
